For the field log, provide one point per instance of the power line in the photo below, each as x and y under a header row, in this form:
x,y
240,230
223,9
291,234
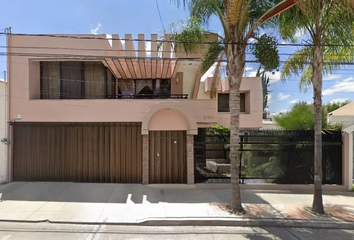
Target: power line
x,y
163,41
97,57
151,51
158,10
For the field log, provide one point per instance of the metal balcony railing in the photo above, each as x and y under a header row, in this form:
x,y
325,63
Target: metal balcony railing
x,y
148,96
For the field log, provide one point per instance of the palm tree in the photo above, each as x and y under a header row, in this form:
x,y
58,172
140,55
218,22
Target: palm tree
x,y
329,24
300,117
239,19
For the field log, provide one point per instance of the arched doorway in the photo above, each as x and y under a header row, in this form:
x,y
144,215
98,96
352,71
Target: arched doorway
x,y
167,144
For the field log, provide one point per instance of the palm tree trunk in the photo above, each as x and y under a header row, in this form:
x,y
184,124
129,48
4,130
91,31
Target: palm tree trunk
x,y
235,69
317,205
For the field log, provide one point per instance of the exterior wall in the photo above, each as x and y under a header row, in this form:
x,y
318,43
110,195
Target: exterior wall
x,y
177,84
190,159
351,155
145,159
253,116
201,92
347,179
3,133
167,119
24,88
269,125
346,120
252,87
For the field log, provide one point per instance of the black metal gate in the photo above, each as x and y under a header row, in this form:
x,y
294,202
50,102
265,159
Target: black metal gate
x,y
276,156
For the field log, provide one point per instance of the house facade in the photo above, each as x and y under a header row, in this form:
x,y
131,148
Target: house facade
x,y
3,132
86,109
343,115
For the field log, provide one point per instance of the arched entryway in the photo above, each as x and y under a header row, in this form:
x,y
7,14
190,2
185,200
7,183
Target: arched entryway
x,y
168,145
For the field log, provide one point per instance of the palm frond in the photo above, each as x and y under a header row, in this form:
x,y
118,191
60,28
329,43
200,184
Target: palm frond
x,y
211,56
188,37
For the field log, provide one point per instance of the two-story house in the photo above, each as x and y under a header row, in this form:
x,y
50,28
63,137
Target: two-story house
x,y
86,109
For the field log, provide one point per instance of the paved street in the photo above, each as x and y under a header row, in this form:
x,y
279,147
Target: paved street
x,y
22,231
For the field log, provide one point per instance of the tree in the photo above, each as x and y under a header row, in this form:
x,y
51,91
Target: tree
x,y
332,106
329,24
300,117
239,20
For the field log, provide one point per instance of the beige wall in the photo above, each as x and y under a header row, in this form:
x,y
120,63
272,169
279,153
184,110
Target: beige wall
x,y
347,179
252,86
167,119
24,88
3,134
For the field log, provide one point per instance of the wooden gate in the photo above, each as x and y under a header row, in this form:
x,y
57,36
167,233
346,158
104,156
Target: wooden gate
x,y
168,157
77,152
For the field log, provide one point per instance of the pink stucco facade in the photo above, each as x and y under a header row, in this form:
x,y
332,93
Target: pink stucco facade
x,y
25,52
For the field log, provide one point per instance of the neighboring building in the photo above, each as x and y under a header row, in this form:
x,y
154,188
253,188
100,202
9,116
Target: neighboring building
x,y
350,131
344,115
3,133
87,110
268,121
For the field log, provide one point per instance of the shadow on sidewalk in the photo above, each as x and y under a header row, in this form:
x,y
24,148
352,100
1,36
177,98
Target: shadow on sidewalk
x,y
116,193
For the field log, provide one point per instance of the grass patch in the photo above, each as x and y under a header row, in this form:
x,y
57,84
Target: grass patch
x,y
353,188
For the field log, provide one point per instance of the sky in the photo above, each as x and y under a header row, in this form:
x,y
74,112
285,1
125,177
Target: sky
x,y
141,17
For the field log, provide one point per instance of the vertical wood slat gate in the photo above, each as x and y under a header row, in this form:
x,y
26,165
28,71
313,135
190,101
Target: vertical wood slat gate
x,y
168,157
78,152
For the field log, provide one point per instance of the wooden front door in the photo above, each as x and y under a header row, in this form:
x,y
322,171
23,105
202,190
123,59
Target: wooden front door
x,y
168,157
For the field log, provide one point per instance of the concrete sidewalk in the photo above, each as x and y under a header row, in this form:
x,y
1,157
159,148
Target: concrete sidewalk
x,y
133,204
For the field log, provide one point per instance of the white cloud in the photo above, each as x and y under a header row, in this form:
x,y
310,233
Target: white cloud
x,y
272,77
347,85
331,77
299,33
339,100
148,49
282,96
294,101
252,74
95,30
269,97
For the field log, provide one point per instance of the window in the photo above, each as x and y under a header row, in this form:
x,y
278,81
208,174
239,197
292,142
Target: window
x,y
223,102
74,80
145,88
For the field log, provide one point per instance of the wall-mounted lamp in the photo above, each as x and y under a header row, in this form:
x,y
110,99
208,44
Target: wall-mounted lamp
x,y
177,81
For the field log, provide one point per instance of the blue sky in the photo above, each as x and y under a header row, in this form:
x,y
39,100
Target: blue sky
x,y
141,16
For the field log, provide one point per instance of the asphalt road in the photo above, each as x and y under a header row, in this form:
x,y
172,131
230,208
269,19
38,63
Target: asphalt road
x,y
17,231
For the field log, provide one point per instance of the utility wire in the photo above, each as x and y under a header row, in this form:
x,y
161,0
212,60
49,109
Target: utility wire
x,y
163,41
96,57
158,10
151,51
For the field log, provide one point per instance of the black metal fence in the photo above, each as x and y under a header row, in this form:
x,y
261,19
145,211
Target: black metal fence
x,y
276,156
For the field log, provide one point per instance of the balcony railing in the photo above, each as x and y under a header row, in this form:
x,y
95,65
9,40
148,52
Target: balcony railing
x,y
148,96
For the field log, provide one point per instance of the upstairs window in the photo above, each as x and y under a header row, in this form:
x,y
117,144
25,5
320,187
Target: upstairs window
x,y
75,80
223,102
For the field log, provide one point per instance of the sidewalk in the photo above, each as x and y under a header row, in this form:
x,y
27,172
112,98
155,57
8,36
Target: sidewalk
x,y
138,204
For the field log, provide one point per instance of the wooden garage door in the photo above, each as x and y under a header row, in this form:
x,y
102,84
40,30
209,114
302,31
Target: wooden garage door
x,y
78,152
168,157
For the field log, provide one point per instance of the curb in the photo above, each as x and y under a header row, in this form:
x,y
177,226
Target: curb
x,y
220,222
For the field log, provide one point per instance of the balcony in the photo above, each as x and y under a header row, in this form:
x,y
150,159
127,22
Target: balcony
x,y
148,96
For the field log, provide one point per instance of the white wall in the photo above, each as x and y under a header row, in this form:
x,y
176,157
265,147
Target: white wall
x,y
3,127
